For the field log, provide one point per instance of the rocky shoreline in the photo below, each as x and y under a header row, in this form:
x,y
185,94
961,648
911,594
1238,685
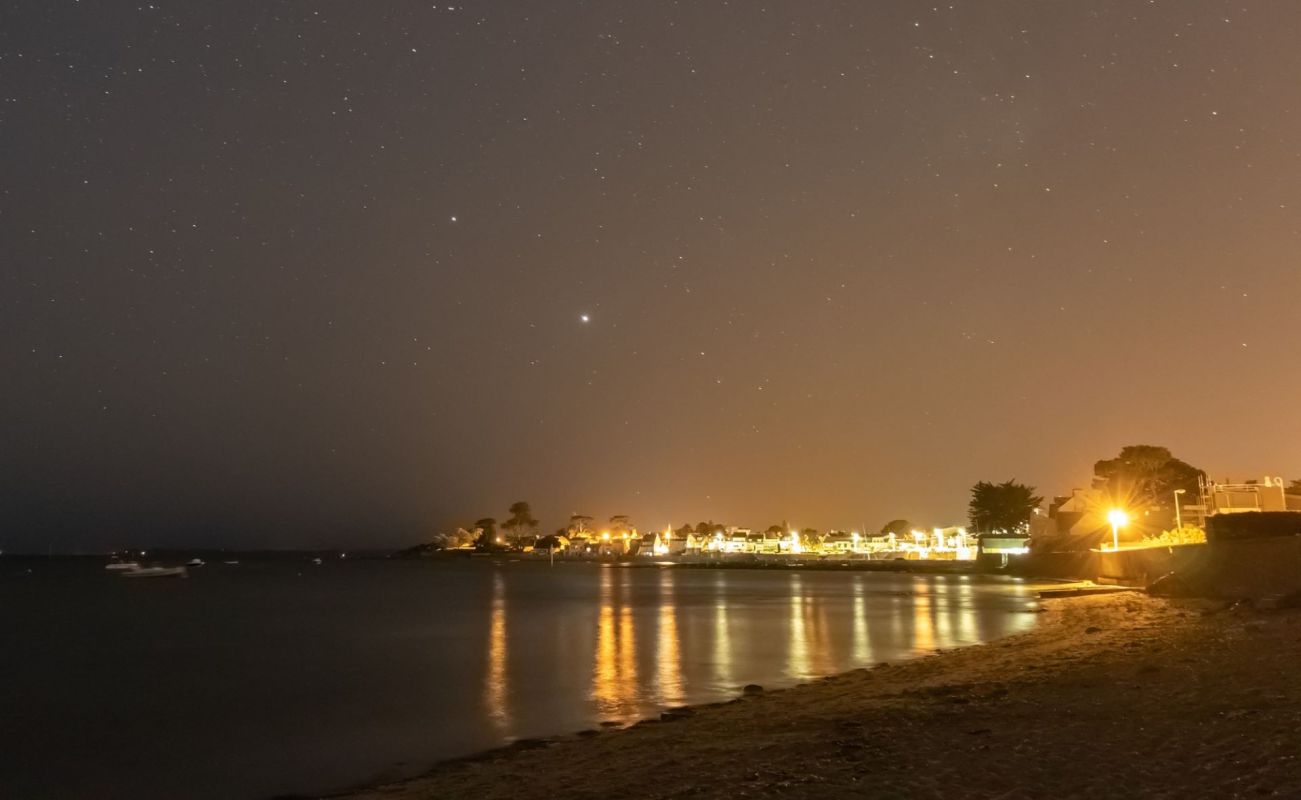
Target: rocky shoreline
x,y
1110,696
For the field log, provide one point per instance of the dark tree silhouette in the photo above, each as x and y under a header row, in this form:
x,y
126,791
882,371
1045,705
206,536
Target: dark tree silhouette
x,y
488,533
521,520
1002,507
899,527
1145,476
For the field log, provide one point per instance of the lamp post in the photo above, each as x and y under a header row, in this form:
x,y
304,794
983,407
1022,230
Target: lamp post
x,y
1118,520
1179,523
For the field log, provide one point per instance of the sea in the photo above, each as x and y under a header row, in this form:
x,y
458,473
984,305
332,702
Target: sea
x,y
285,677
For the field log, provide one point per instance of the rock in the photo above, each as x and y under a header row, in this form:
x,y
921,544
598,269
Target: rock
x,y
751,689
1174,585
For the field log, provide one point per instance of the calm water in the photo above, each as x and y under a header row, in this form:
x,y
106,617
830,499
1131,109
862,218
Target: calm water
x,y
252,680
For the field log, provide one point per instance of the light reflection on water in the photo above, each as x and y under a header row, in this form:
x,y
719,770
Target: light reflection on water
x,y
668,653
662,637
862,647
722,633
495,686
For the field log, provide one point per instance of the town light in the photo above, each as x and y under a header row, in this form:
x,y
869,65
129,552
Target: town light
x,y
1118,520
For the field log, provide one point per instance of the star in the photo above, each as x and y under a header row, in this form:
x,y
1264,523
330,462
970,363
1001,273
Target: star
x,y
584,318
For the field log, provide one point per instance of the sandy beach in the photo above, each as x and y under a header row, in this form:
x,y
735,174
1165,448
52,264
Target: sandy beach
x,y
1109,696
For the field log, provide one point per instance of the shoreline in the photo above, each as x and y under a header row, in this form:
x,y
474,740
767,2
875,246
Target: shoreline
x,y
1029,715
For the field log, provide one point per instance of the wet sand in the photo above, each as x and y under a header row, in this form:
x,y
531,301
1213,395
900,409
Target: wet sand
x,y
1109,696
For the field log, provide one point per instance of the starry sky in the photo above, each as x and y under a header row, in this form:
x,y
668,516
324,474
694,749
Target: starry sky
x,y
283,274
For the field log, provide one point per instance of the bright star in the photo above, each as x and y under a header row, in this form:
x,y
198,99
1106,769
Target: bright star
x,y
584,318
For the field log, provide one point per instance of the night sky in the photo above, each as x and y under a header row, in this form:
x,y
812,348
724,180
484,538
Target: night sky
x,y
343,274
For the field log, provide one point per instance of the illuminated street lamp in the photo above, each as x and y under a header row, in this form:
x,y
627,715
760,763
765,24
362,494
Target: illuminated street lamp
x,y
1118,520
1179,523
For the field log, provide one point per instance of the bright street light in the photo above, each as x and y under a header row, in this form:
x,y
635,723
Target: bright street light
x,y
1179,523
1118,520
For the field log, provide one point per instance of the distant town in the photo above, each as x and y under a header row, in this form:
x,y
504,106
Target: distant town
x,y
1143,498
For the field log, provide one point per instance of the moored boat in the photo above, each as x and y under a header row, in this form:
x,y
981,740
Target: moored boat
x,y
157,572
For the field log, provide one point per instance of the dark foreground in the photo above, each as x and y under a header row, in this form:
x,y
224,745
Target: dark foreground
x,y
1112,696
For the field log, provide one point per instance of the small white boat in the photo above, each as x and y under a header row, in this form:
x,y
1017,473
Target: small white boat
x,y
121,566
232,562
316,561
194,562
157,572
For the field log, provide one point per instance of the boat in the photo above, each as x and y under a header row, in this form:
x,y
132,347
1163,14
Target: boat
x,y
194,562
316,561
121,566
157,572
232,562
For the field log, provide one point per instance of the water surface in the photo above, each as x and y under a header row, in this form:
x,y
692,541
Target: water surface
x,y
264,678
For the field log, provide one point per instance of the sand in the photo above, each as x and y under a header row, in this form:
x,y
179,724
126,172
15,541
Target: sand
x,y
1110,696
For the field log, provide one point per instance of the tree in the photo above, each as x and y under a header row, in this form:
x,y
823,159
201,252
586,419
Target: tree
x,y
809,537
521,520
620,523
487,533
685,531
1145,477
775,529
899,527
1002,507
1294,487
578,523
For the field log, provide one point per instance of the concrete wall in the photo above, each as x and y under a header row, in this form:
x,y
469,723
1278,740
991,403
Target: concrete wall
x,y
1251,568
1128,567
1256,567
